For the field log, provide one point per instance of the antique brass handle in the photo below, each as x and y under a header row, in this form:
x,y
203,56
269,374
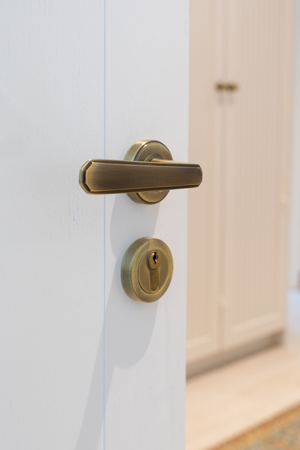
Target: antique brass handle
x,y
221,86
231,87
146,175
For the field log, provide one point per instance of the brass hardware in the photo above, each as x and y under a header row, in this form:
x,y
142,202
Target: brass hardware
x,y
147,269
221,86
230,87
146,175
148,151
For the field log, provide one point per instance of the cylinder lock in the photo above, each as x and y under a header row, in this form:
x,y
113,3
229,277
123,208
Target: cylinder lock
x,y
147,269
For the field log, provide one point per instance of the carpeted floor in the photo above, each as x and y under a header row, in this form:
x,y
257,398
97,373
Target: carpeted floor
x,y
280,433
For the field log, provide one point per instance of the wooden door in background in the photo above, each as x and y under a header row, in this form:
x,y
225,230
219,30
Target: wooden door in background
x,y
256,166
205,119
237,241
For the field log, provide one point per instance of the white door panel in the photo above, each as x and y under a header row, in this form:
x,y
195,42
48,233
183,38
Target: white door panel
x,y
84,366
51,236
147,94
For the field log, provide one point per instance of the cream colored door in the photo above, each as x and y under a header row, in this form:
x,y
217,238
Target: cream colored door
x,y
255,174
237,241
205,119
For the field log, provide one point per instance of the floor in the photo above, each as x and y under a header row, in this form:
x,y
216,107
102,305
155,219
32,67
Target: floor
x,y
228,401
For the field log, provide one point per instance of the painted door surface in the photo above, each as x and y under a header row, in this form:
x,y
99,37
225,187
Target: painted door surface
x,y
237,264
84,367
256,155
205,124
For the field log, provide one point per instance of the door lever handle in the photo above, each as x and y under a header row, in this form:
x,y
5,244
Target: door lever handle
x,y
146,175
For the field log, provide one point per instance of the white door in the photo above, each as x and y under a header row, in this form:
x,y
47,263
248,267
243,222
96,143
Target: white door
x,y
84,367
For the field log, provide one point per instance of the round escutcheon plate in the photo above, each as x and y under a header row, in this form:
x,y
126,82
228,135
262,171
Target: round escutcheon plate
x,y
146,151
137,276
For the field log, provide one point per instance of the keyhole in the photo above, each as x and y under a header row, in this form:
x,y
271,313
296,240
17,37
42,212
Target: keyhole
x,y
155,258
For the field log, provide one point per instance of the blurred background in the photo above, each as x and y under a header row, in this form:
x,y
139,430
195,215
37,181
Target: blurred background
x,y
243,321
